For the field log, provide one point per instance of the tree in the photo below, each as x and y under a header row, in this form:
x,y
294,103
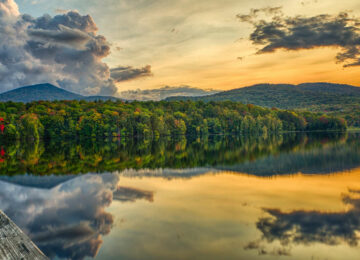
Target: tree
x,y
30,127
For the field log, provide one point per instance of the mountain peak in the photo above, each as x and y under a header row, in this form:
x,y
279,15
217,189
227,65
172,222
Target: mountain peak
x,y
47,92
42,85
37,92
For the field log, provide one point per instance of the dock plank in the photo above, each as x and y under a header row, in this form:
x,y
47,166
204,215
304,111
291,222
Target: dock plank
x,y
14,244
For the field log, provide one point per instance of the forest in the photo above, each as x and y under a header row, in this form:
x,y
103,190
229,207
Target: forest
x,y
103,119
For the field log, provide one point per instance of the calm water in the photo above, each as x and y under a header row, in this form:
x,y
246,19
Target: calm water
x,y
288,197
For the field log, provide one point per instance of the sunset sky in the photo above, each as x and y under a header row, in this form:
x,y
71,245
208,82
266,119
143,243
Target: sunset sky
x,y
206,43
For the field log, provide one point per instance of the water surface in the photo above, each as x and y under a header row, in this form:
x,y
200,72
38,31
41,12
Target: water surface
x,y
291,196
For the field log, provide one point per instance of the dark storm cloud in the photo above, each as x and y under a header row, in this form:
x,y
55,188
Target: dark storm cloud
x,y
296,33
307,227
164,92
126,73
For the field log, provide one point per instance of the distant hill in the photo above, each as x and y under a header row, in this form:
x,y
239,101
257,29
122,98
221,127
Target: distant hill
x,y
287,96
46,92
333,99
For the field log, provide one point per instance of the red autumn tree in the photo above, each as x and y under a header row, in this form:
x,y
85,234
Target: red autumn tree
x,y
2,126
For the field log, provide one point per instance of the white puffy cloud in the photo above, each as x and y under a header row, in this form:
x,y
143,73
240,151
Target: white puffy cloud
x,y
64,50
8,8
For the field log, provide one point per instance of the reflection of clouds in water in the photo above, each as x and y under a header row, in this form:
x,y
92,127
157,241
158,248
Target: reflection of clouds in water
x,y
263,250
68,220
168,173
307,227
132,194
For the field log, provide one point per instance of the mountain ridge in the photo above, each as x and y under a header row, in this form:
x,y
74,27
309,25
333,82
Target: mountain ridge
x,y
334,99
46,92
286,96
311,86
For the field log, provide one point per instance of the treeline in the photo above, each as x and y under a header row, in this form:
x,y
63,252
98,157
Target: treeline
x,y
73,119
235,153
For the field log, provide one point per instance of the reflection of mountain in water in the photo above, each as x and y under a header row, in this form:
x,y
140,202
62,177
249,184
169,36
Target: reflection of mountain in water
x,y
263,156
36,181
321,160
307,227
69,220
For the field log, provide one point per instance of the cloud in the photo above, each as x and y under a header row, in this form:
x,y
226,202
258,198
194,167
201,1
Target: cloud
x,y
63,35
164,92
254,13
8,8
64,50
126,73
305,3
61,11
299,32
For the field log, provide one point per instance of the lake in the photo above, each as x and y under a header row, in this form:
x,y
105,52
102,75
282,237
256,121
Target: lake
x,y
290,196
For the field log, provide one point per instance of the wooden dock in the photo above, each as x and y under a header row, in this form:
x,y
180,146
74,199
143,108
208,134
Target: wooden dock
x,y
14,244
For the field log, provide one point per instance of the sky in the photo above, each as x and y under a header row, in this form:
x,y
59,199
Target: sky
x,y
208,44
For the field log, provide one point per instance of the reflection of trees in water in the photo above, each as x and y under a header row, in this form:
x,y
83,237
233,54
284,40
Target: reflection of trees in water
x,y
215,151
308,227
318,160
69,220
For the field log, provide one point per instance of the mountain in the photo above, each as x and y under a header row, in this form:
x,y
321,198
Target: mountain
x,y
333,99
38,92
287,96
46,92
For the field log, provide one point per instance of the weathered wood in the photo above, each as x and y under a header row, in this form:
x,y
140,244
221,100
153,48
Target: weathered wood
x,y
14,244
